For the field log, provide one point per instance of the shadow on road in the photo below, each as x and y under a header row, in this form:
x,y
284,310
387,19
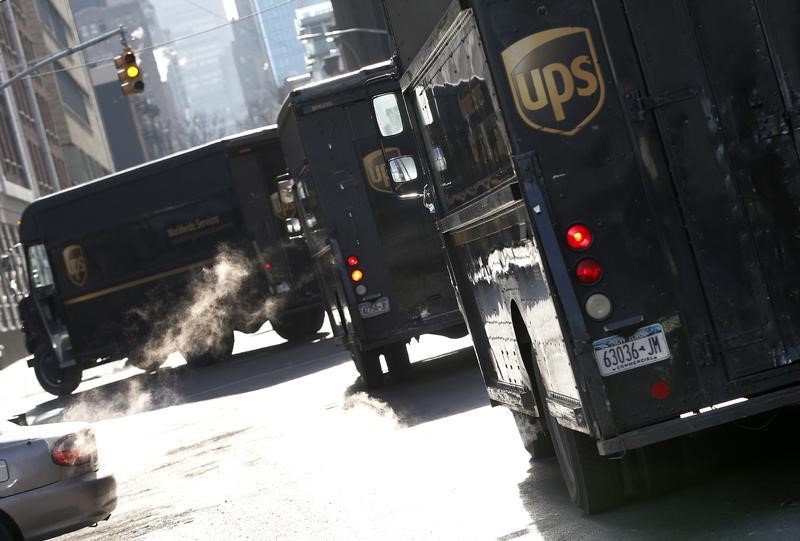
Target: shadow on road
x,y
743,484
165,387
436,388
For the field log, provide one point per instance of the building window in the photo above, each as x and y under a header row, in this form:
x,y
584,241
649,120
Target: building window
x,y
71,93
54,22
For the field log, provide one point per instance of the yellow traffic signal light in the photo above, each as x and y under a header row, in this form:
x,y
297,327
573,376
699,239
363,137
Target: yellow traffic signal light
x,y
128,72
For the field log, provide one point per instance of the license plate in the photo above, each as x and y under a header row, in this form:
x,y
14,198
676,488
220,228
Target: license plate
x,y
374,308
617,354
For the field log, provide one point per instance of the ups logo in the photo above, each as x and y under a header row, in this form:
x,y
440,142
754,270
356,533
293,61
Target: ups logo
x,y
75,263
556,79
377,170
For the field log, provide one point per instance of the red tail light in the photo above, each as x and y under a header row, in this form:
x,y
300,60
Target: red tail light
x,y
75,449
579,237
660,390
353,261
589,271
268,265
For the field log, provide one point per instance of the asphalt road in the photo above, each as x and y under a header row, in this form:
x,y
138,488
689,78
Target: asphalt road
x,y
283,443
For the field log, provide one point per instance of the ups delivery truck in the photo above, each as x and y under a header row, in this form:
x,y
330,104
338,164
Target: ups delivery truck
x,y
118,263
618,188
378,256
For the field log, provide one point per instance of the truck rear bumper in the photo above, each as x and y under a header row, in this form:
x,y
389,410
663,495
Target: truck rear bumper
x,y
715,416
449,324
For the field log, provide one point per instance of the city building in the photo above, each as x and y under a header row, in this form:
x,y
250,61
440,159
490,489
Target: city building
x,y
321,53
201,57
261,94
287,56
75,113
23,161
364,40
139,128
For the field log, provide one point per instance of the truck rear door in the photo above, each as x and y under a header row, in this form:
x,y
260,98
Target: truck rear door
x,y
723,80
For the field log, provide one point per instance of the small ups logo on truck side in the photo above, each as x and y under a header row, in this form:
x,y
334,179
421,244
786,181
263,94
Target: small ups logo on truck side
x,y
377,170
75,262
556,79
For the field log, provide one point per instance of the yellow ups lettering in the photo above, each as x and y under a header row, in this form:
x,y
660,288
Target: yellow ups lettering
x,y
555,86
584,75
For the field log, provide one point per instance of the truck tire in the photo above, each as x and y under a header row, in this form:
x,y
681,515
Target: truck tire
x,y
54,379
594,483
368,364
397,361
299,327
221,353
534,435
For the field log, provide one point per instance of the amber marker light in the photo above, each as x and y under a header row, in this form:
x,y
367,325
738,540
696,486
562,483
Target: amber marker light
x,y
357,275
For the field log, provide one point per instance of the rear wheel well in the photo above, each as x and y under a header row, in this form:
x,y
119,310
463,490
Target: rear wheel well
x,y
11,526
525,345
524,342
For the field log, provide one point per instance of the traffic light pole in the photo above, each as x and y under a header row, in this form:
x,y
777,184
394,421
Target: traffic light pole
x,y
66,52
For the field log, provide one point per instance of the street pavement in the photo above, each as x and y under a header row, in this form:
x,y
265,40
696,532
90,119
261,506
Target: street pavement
x,y
282,442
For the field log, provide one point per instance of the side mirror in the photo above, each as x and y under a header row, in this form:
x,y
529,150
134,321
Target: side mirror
x,y
403,169
285,191
293,227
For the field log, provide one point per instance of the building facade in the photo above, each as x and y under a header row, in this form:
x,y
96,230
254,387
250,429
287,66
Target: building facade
x,y
261,95
287,56
23,170
367,42
203,61
75,112
139,128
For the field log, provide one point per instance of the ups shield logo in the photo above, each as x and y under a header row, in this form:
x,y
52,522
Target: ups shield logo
x,y
377,170
75,263
556,79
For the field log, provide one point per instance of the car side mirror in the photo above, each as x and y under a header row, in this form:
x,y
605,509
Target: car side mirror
x,y
405,177
403,169
285,192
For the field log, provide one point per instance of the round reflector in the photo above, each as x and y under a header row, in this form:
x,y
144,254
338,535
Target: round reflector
x,y
598,306
579,237
352,261
357,275
589,271
660,390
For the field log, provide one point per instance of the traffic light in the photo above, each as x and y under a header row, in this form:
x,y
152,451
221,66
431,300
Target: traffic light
x,y
128,72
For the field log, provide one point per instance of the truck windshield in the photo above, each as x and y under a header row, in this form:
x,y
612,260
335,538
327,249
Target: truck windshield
x,y
41,274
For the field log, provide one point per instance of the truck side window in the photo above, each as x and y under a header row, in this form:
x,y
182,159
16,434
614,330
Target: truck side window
x,y
387,113
41,274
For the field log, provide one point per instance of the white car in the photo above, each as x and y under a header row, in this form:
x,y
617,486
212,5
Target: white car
x,y
50,481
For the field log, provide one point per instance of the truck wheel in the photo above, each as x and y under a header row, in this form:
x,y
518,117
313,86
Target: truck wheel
x,y
368,364
594,483
299,327
397,361
54,379
221,353
534,436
